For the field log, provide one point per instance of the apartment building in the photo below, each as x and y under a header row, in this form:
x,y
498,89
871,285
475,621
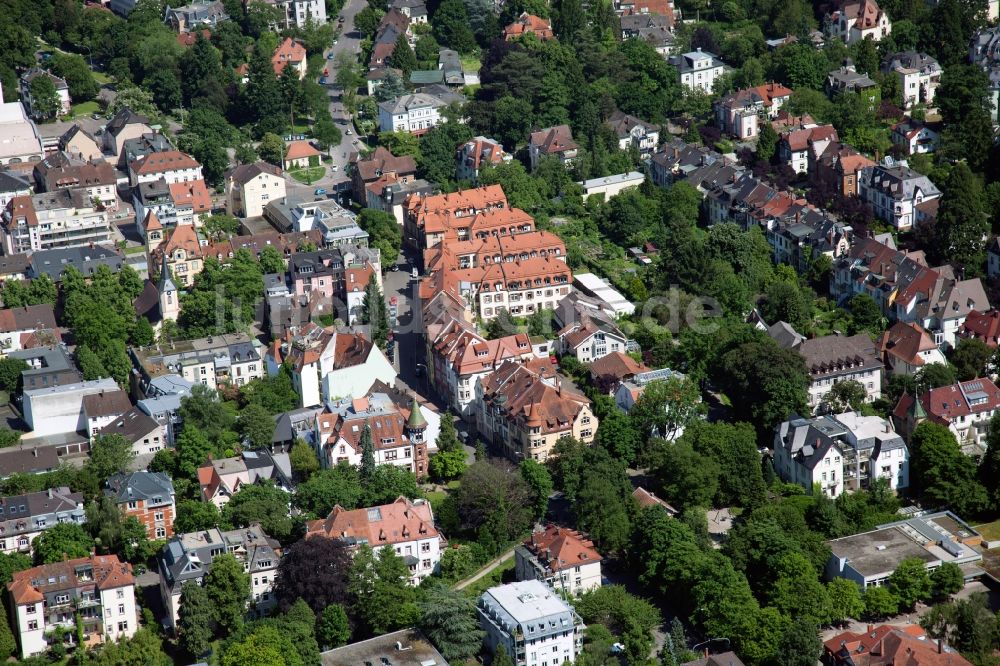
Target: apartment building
x,y
398,433
189,557
525,408
857,20
476,153
894,190
103,408
28,326
233,358
59,410
249,187
840,453
795,145
171,165
24,517
532,623
405,525
472,213
553,142
740,113
832,359
415,113
143,432
907,347
562,558
146,496
964,408
634,132
919,76
64,218
299,13
94,593
222,478
60,171
698,69
339,274
62,93
379,163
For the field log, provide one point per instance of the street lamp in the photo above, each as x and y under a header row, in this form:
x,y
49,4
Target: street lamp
x,y
709,641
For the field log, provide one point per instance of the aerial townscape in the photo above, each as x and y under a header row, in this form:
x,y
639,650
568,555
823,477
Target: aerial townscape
x,y
500,332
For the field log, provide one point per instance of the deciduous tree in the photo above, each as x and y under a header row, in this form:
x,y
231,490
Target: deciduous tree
x,y
448,618
316,571
195,619
227,586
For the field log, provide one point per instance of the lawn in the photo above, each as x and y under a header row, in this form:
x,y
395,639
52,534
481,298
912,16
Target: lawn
x,y
493,579
101,77
309,175
86,109
990,531
470,63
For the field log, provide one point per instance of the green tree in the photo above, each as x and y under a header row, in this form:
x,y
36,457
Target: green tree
x,y
196,516
383,231
540,481
865,314
316,571
800,644
602,507
11,563
666,407
768,383
328,487
382,598
272,149
448,618
623,614
946,580
333,629
617,434
7,642
402,57
848,395
880,603
910,583
195,619
45,101
971,358
494,503
303,460
447,465
941,473
845,600
262,503
447,439
220,227
767,142
962,226
227,586
367,469
451,26
10,373
203,411
437,151
963,104
265,645
77,74
785,301
500,656
374,314
256,426
113,532
109,455
686,477
935,375
65,540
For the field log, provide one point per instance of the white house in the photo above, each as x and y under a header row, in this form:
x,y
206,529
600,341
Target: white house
x,y
172,166
562,558
414,113
916,137
832,359
840,453
405,525
26,516
857,20
59,410
894,190
698,69
919,76
590,339
612,186
96,591
533,624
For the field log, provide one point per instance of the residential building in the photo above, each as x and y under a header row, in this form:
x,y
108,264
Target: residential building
x,y
889,644
857,20
646,499
611,186
189,557
406,647
893,190
740,113
562,558
398,433
467,214
475,154
728,658
591,338
983,326
634,133
838,168
60,171
338,277
324,223
24,517
609,299
528,24
221,479
532,623
19,138
389,194
964,408
698,69
299,13
552,142
249,187
367,169
27,327
300,155
654,29
214,361
840,453
290,53
62,93
89,595
919,76
64,218
172,165
869,558
59,409
405,525
798,238
103,408
197,15
628,392
414,10
50,365
142,431
524,408
916,136
665,8
136,147
907,347
80,144
614,368
183,252
328,363
832,359
415,113
86,259
125,125
847,79
148,497
984,51
797,146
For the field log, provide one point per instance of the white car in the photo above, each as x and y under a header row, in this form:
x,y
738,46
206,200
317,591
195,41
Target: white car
x,y
349,132
334,168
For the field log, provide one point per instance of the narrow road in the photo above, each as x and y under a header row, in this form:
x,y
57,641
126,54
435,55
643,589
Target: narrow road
x,y
484,572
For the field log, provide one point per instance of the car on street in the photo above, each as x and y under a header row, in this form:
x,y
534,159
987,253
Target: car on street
x,y
322,80
320,191
334,168
349,132
331,54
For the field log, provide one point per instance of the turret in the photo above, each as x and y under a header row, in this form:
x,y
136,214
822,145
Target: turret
x,y
170,304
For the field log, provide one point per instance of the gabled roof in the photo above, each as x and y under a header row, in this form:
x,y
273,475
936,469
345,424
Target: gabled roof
x,y
558,139
192,193
401,521
289,51
244,173
616,366
31,585
298,149
558,548
163,162
183,237
983,326
888,645
906,341
27,318
147,486
106,403
124,118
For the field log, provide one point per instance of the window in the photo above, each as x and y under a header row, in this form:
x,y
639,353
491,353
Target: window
x,y
425,547
123,625
121,609
158,515
32,625
161,533
133,504
30,609
426,564
121,594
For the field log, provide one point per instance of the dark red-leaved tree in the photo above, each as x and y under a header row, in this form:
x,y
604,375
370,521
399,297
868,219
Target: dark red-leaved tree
x,y
314,570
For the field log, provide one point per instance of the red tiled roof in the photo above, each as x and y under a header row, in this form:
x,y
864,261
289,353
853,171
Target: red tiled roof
x,y
193,193
109,572
946,404
168,160
905,341
983,326
299,149
403,520
887,645
289,51
616,366
560,548
528,23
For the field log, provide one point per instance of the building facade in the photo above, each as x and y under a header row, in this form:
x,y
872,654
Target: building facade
x,y
531,622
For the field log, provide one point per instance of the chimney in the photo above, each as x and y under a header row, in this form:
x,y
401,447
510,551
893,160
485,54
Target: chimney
x,y
940,646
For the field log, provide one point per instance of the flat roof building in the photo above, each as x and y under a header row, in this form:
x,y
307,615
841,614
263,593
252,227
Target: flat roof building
x,y
406,647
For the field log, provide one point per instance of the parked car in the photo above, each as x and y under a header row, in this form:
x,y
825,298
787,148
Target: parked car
x,y
349,132
320,191
331,54
322,80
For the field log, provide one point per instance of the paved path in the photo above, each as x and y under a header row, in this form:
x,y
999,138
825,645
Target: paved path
x,y
486,571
